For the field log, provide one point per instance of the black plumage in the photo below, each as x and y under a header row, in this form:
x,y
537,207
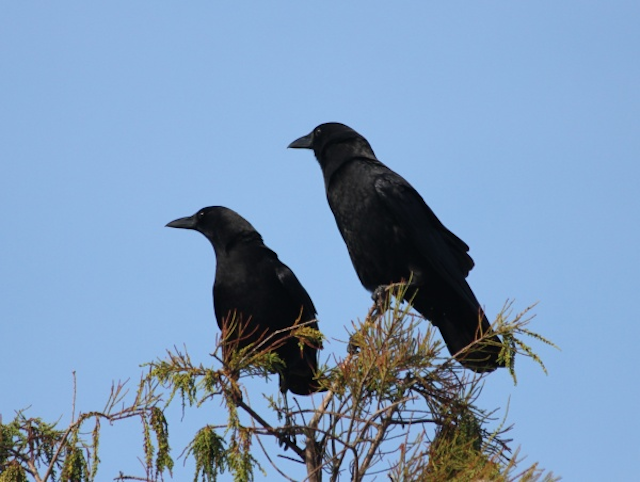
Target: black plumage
x,y
393,236
258,292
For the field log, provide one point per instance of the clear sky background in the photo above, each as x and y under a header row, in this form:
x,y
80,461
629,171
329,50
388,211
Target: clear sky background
x,y
518,122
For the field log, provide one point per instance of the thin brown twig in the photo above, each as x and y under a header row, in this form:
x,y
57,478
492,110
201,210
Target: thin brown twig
x,y
73,400
269,428
264,451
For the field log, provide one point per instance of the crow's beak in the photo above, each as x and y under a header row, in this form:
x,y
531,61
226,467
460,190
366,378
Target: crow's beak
x,y
184,223
305,142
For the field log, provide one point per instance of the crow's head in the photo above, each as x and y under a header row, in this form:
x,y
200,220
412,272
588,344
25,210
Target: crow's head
x,y
334,140
222,226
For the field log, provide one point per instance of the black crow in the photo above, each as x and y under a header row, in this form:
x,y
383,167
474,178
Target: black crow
x,y
255,294
393,236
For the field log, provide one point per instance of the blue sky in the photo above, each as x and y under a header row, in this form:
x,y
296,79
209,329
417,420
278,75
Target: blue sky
x,y
517,122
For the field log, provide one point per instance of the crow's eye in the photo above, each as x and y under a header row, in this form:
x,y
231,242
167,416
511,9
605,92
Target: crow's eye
x,y
318,132
201,214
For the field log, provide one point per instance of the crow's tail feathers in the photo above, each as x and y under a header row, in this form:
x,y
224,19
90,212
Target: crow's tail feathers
x,y
299,385
463,335
466,331
299,375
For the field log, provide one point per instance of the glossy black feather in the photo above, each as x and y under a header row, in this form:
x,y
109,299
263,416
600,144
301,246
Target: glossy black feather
x,y
392,236
254,290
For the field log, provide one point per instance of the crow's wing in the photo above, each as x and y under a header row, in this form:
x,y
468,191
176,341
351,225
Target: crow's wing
x,y
295,290
442,249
